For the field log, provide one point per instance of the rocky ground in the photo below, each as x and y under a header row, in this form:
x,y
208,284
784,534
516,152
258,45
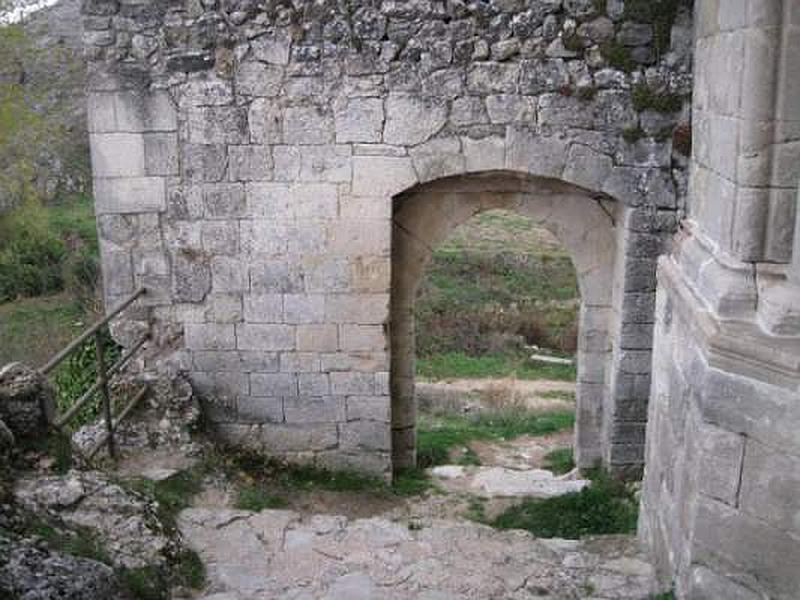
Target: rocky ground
x,y
279,554
326,544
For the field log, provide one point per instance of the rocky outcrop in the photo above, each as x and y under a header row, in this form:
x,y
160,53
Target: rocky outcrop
x,y
31,572
125,522
27,400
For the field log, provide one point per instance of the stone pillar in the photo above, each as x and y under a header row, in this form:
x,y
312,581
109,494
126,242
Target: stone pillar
x,y
721,488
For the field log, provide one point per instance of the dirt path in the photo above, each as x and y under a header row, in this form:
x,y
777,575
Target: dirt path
x,y
460,394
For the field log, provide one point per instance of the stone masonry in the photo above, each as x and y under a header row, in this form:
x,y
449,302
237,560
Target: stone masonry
x,y
721,502
258,164
277,175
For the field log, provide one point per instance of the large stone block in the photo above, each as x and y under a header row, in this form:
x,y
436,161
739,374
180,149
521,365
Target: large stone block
x,y
411,120
318,338
263,308
736,542
303,308
359,120
273,384
770,485
251,409
161,154
258,79
307,125
305,409
253,336
117,154
382,176
235,361
350,383
129,195
209,336
367,435
354,338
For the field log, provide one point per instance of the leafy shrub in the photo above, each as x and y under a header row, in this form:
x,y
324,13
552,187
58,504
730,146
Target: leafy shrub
x,y
46,249
78,373
604,507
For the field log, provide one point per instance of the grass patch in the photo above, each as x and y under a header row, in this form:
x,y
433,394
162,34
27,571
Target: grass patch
x,y
458,365
437,436
76,542
263,482
48,249
145,583
256,498
410,482
172,494
497,283
32,330
558,395
476,510
560,461
604,507
189,570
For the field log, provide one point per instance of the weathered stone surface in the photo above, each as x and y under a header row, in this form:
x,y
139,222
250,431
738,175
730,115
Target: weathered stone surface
x,y
27,401
271,552
125,522
30,572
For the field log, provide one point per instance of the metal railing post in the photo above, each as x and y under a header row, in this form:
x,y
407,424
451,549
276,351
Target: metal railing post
x,y
102,378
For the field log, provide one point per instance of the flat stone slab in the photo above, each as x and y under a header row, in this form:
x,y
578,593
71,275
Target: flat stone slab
x,y
279,554
500,482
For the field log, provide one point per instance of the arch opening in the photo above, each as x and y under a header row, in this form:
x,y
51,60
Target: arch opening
x,y
585,226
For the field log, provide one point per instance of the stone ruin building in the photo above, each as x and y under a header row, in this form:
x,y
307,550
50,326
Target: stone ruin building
x,y
277,173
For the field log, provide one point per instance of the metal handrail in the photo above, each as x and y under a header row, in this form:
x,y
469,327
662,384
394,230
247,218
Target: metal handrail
x,y
78,341
104,375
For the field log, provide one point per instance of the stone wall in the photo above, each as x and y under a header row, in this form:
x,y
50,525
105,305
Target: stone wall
x,y
721,502
246,156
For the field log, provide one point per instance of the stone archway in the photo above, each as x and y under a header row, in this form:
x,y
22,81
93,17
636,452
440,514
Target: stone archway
x,y
583,222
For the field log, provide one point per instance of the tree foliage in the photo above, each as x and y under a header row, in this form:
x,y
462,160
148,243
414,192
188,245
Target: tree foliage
x,y
38,132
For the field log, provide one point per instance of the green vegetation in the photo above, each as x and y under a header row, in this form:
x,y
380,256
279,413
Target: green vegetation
x,y
33,329
476,510
438,436
78,373
145,583
41,147
77,542
560,461
604,507
633,134
48,249
173,494
558,395
457,365
618,56
660,13
498,283
189,569
55,445
646,98
664,596
254,497
263,482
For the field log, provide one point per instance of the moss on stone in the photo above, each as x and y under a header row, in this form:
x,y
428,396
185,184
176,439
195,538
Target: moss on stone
x,y
618,56
646,98
659,13
633,134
